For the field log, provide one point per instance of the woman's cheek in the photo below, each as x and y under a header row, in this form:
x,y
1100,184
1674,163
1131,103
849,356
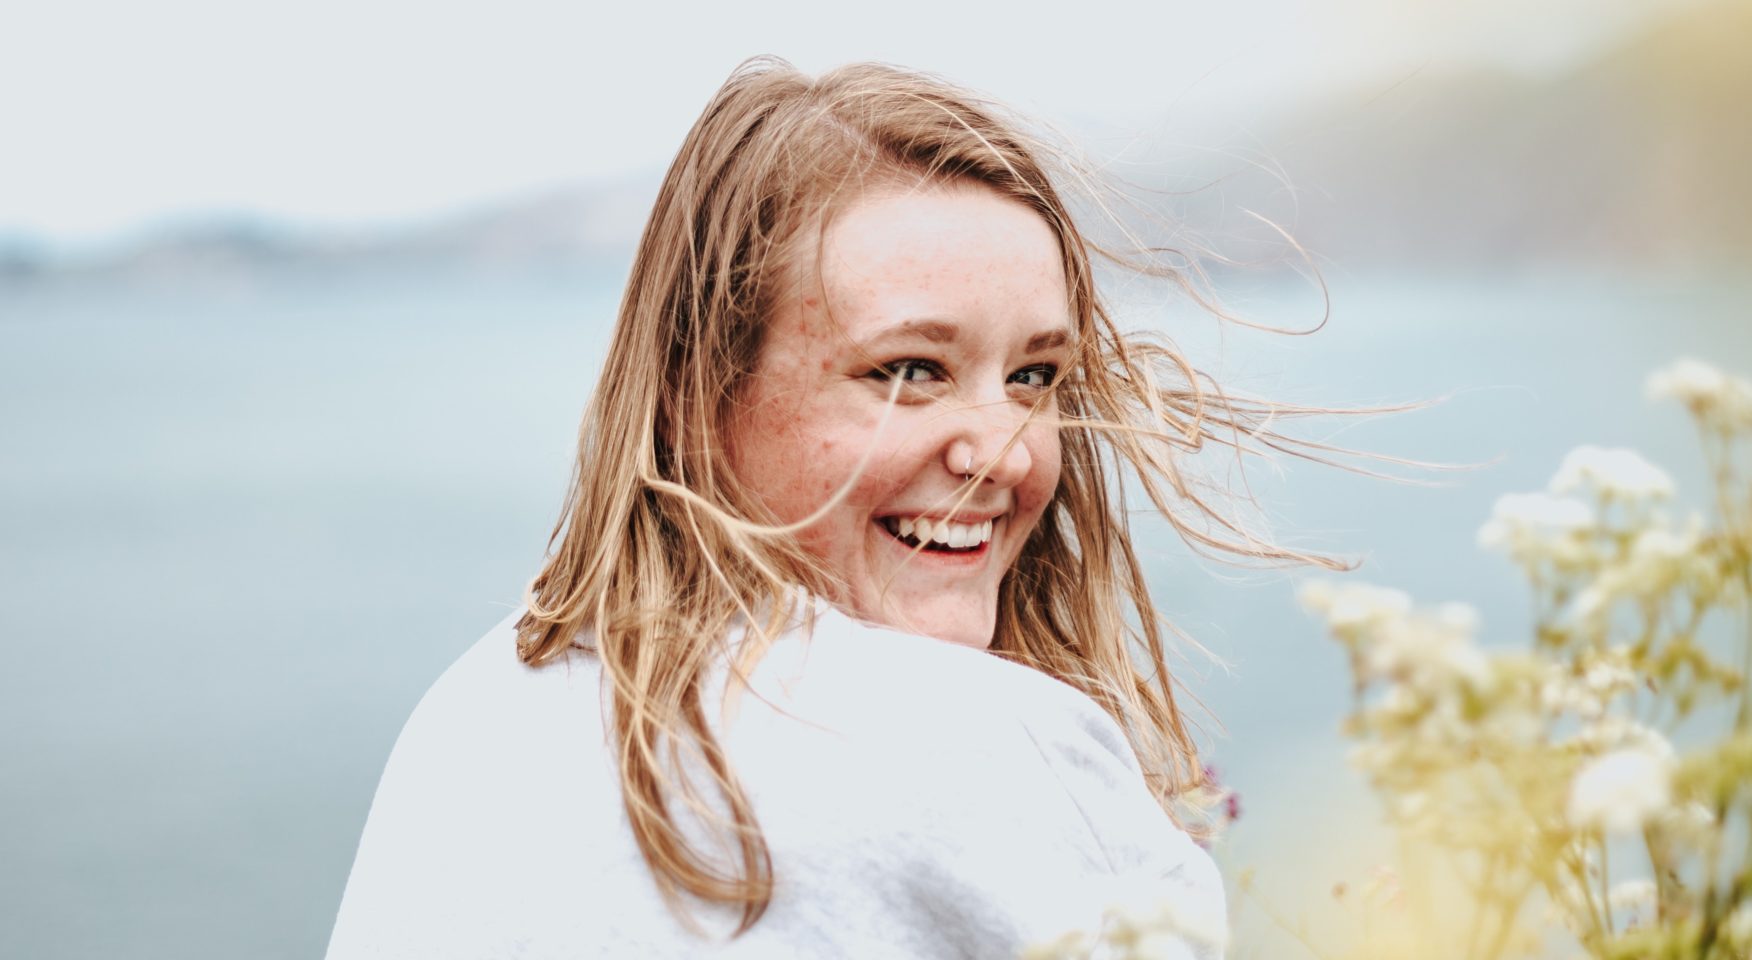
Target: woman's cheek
x,y
1048,461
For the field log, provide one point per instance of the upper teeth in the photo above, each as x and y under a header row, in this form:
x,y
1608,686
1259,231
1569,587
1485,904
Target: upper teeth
x,y
946,532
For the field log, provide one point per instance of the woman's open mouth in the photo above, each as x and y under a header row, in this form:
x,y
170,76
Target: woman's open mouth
x,y
938,536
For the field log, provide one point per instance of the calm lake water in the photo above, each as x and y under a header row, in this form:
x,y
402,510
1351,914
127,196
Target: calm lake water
x,y
245,526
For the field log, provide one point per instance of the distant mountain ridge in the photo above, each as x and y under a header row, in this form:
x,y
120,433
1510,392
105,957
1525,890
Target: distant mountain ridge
x,y
1639,158
581,225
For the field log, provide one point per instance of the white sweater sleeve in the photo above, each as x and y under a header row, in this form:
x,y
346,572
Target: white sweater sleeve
x,y
1162,879
1021,786
434,875
919,801
414,860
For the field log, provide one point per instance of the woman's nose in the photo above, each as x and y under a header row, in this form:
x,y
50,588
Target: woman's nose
x,y
995,452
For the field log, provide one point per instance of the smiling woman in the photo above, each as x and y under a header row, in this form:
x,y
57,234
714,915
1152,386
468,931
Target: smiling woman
x,y
920,353
852,454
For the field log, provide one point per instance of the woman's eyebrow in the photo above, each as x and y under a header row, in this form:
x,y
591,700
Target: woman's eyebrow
x,y
944,331
1050,340
926,328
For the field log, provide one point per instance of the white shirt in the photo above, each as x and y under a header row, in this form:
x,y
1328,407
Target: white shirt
x,y
922,799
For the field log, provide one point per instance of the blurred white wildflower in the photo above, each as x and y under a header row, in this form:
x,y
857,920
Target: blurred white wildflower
x,y
1146,921
1153,925
1511,724
1621,790
1609,734
1661,546
1635,899
1533,527
1716,399
1539,760
1427,653
1073,945
1353,606
1374,755
1737,927
1601,678
1158,946
1615,473
1561,693
1692,823
1399,703
1660,558
1610,675
1411,810
1458,618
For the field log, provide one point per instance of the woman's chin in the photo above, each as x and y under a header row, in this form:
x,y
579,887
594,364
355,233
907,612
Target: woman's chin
x,y
953,622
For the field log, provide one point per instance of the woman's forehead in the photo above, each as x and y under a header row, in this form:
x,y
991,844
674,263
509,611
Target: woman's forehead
x,y
901,235
939,263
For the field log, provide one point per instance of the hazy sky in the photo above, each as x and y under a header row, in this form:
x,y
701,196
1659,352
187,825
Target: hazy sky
x,y
115,114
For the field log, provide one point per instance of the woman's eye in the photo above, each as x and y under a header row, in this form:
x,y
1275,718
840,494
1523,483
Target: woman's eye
x,y
909,371
1039,376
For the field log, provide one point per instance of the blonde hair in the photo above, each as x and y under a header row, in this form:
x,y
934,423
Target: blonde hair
x,y
658,550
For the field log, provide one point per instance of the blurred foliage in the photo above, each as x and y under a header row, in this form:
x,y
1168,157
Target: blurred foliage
x,y
1538,789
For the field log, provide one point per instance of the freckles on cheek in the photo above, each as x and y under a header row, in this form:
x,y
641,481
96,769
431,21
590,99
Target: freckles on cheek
x,y
828,480
779,418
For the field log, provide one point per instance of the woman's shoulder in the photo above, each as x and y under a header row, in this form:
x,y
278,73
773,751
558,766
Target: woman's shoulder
x,y
489,701
470,800
491,663
994,734
1085,767
927,674
947,698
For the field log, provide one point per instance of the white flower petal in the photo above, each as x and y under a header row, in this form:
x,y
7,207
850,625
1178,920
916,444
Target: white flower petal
x,y
1621,790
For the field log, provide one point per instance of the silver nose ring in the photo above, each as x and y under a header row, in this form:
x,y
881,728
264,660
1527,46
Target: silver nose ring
x,y
968,470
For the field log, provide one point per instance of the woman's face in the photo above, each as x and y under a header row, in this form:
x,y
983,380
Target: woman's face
x,y
959,294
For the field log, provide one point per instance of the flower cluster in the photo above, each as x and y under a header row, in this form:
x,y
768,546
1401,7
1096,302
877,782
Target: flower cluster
x,y
1528,766
1142,927
1534,769
1718,402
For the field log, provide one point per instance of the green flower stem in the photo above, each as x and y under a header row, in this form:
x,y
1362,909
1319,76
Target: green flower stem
x,y
1580,869
1660,860
1713,910
1486,881
1714,914
1510,913
1744,716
